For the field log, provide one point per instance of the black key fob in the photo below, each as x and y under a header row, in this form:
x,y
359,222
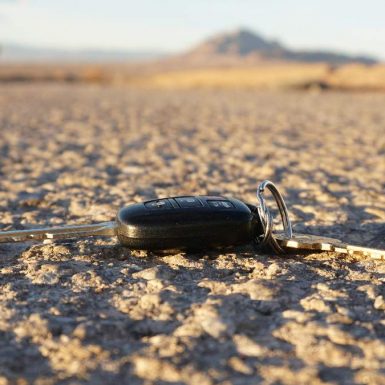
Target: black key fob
x,y
187,223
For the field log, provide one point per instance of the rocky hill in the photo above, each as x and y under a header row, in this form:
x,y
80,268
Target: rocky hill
x,y
246,45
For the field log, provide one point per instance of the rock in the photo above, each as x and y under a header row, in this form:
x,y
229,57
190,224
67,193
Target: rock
x,y
379,303
160,272
239,366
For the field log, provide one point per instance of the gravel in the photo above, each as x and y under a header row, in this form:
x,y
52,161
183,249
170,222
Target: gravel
x,y
92,312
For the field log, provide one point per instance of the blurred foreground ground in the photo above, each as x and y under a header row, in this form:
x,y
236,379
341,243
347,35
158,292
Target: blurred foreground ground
x,y
90,311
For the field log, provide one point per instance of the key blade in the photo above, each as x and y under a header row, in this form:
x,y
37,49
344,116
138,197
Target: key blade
x,y
319,243
308,242
59,232
365,251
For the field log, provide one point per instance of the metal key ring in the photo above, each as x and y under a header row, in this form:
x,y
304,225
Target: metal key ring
x,y
267,220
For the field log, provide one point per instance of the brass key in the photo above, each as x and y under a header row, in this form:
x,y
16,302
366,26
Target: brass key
x,y
288,241
318,243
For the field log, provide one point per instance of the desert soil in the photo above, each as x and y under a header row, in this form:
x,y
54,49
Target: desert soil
x,y
92,312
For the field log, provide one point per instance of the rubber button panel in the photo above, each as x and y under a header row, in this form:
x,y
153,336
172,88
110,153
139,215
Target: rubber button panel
x,y
220,204
188,202
158,204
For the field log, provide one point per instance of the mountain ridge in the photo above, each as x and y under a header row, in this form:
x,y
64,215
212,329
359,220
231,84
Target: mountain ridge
x,y
246,44
241,46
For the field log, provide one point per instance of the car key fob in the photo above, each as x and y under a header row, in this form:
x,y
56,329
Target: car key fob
x,y
187,222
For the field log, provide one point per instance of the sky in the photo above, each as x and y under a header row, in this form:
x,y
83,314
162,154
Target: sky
x,y
353,26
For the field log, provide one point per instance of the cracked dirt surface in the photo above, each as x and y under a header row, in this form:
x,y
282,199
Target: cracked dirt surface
x,y
90,311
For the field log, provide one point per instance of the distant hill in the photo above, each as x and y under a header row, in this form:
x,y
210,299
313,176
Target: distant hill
x,y
21,53
247,45
229,49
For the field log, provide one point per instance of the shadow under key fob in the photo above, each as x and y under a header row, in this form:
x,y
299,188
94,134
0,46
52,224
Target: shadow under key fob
x,y
187,223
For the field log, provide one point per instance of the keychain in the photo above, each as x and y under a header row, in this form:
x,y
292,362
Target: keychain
x,y
199,222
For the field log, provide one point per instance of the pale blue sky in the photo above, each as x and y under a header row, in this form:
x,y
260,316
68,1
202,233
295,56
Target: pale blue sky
x,y
356,26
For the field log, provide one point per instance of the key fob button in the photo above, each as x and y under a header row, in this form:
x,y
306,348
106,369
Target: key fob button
x,y
188,202
220,204
158,204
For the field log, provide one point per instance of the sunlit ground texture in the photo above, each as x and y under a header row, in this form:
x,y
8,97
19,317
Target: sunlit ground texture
x,y
90,311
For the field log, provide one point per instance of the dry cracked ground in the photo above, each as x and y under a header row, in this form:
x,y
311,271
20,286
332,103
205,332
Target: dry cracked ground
x,y
92,312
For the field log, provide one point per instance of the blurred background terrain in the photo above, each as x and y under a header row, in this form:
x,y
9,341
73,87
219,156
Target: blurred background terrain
x,y
240,58
39,43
